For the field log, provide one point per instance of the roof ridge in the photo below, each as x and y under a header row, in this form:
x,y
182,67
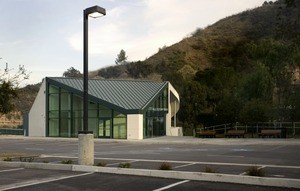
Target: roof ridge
x,y
128,80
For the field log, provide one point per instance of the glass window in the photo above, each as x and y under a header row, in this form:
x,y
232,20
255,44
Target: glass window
x,y
154,118
53,89
53,114
65,114
165,99
77,114
53,128
65,101
54,102
92,105
63,91
77,126
65,127
104,112
93,126
119,126
118,114
77,103
93,109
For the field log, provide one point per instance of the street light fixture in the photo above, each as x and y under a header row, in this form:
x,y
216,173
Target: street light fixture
x,y
86,142
93,12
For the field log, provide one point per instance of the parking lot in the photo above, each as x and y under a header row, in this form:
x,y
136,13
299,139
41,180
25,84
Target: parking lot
x,y
277,158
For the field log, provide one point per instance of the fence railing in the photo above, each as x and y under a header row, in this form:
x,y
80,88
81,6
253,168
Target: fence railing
x,y
11,131
219,127
291,129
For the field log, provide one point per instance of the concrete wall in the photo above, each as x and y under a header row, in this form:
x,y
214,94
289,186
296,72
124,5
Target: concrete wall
x,y
134,126
173,107
37,114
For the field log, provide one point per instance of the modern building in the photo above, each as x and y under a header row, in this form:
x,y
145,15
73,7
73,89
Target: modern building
x,y
118,109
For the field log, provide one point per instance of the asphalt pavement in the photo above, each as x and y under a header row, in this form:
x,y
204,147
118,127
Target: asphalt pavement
x,y
279,158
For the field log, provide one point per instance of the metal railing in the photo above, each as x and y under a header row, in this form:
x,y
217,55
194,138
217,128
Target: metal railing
x,y
290,129
11,131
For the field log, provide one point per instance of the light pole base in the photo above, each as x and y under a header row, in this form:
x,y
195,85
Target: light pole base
x,y
86,149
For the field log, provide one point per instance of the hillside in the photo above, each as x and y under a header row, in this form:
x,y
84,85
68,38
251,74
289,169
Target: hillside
x,y
242,68
218,44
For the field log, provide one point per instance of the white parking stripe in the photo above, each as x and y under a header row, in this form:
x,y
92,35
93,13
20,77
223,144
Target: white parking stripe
x,y
244,173
275,148
14,169
261,167
112,164
35,149
45,181
172,185
183,165
121,146
228,156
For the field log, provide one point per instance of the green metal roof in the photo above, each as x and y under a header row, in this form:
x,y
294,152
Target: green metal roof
x,y
128,96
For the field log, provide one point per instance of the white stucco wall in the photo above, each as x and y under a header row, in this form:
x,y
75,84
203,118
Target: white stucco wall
x,y
174,104
134,126
36,123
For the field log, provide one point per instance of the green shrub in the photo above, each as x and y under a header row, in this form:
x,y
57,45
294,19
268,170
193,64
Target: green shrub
x,y
45,161
209,170
101,164
124,165
255,171
165,166
67,162
8,159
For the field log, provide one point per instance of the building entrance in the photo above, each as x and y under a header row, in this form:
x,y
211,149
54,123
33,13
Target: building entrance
x,y
105,128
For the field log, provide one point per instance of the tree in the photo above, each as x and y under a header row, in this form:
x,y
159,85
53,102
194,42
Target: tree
x,y
9,85
228,110
256,111
72,73
121,58
193,103
110,72
257,84
7,94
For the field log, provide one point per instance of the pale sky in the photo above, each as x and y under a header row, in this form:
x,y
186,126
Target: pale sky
x,y
46,35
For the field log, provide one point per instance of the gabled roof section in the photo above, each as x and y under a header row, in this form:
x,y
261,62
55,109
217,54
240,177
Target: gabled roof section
x,y
127,95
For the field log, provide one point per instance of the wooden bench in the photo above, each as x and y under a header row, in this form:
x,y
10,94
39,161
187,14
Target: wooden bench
x,y
270,133
28,158
22,158
206,134
235,133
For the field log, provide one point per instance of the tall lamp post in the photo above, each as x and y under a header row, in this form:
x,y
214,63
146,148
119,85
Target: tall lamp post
x,y
86,137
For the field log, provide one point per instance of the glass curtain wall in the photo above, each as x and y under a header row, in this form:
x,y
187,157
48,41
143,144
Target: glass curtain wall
x,y
65,116
53,126
155,117
119,126
105,122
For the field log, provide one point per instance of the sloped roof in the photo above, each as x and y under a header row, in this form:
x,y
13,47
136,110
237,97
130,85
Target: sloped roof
x,y
130,96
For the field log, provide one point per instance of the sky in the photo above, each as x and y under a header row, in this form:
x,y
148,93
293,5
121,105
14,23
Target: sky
x,y
46,36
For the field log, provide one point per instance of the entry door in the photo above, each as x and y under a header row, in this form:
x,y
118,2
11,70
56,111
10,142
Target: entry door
x,y
105,128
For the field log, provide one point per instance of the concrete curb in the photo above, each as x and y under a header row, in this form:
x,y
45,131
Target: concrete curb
x,y
35,165
198,176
